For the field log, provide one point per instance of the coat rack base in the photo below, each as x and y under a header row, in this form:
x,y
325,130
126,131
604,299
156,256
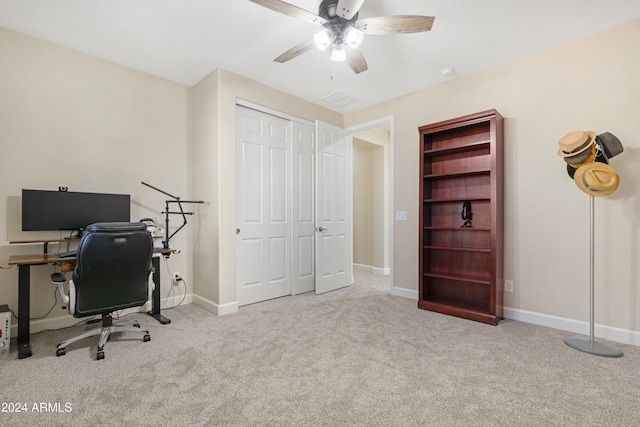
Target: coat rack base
x,y
587,345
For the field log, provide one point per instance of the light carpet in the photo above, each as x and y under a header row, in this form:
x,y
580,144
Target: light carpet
x,y
355,356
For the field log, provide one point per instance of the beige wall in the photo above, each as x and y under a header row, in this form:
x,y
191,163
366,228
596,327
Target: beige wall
x,y
69,119
590,84
371,198
205,184
363,207
381,208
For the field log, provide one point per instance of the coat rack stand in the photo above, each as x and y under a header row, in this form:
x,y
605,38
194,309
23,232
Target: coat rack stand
x,y
590,345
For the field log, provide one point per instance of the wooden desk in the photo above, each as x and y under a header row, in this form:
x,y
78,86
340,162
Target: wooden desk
x,y
24,263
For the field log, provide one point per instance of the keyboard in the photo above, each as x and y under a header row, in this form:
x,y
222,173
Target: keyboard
x,y
69,254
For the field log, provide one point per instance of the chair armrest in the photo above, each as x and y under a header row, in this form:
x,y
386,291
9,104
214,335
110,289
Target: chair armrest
x,y
152,284
71,306
60,283
65,297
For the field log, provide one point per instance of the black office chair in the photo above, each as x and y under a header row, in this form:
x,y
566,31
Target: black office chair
x,y
112,273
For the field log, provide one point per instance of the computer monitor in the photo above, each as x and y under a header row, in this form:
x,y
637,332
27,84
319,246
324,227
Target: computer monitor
x,y
68,210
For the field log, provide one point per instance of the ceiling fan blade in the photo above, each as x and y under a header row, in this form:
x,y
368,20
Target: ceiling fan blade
x,y
356,60
295,51
400,24
348,8
291,10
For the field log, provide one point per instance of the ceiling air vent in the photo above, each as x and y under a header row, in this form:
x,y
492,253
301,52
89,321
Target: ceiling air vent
x,y
339,99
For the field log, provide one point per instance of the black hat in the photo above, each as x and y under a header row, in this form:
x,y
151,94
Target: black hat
x,y
610,144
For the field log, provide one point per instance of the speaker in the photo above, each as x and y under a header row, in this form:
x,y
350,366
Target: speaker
x,y
5,330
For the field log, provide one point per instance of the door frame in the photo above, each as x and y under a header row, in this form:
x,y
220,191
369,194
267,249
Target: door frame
x,y
263,109
389,120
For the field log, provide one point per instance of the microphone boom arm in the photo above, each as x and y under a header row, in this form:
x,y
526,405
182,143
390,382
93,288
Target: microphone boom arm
x,y
167,212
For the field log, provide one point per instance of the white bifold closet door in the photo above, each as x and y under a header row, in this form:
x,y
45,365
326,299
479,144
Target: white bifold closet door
x,y
303,226
263,175
293,206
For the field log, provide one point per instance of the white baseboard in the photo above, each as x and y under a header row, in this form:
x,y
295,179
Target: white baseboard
x,y
381,271
67,320
217,309
362,267
171,302
623,336
372,269
404,293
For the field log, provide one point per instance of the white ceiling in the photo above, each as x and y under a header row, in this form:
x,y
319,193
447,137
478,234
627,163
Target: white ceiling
x,y
185,40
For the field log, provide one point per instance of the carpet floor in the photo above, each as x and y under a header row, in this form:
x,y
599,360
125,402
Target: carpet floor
x,y
355,356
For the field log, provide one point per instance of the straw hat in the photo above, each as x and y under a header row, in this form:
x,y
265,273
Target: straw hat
x,y
587,156
596,156
575,143
596,179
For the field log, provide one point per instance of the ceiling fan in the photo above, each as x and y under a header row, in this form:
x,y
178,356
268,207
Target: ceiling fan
x,y
342,29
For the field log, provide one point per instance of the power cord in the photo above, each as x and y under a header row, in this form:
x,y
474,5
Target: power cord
x,y
55,302
184,295
86,321
116,315
171,293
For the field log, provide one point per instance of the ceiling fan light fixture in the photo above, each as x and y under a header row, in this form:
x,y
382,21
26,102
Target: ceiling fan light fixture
x,y
353,37
338,52
323,39
342,29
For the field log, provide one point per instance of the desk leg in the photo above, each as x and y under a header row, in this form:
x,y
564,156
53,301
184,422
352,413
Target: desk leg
x,y
24,288
155,300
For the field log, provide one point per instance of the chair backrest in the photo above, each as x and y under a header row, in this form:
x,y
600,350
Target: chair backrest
x,y
113,267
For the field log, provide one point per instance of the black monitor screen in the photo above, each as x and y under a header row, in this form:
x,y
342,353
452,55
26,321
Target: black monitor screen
x,y
67,210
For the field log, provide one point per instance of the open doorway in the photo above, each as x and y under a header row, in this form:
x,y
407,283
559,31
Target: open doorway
x,y
372,201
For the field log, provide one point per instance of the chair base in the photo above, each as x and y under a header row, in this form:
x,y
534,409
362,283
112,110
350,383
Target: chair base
x,y
104,331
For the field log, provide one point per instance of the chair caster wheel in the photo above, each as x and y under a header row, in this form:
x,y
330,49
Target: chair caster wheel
x,y
146,338
100,355
61,352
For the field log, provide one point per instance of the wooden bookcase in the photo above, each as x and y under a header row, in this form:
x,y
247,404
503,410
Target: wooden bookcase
x,y
461,268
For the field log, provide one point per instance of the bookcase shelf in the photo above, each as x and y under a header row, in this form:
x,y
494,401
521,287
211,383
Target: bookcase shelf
x,y
457,174
457,228
459,278
458,149
459,199
460,267
453,248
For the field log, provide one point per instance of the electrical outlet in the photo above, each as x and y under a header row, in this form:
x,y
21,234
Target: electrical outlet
x,y
176,278
508,285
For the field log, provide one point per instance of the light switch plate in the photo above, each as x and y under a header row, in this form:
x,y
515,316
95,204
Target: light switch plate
x,y
401,215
